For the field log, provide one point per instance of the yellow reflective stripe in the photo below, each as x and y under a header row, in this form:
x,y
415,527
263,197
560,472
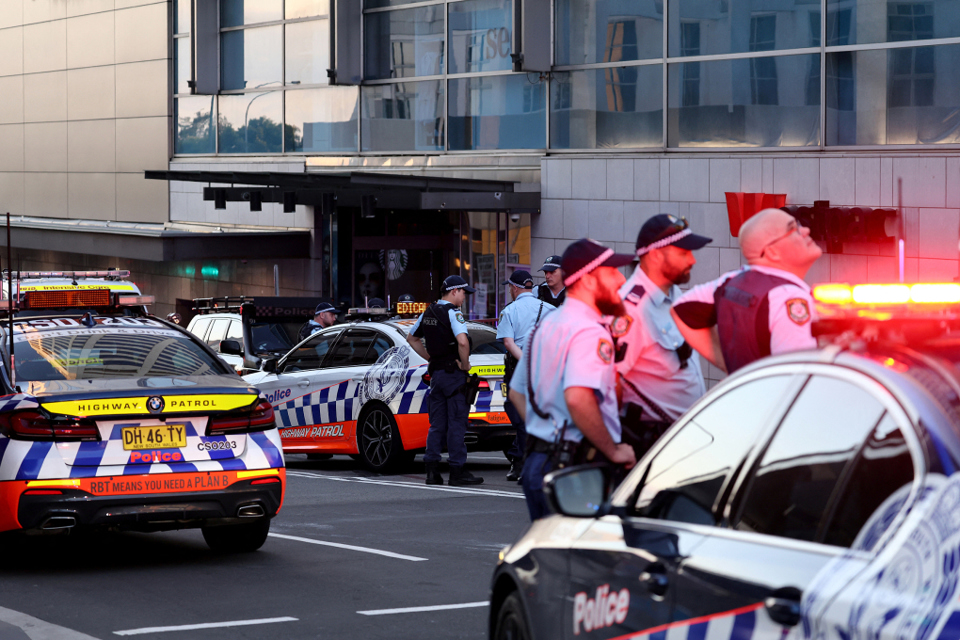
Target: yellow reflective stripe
x,y
260,472
489,370
133,406
53,483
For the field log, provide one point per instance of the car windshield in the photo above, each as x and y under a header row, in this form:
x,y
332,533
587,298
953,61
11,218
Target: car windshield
x,y
63,349
485,342
273,337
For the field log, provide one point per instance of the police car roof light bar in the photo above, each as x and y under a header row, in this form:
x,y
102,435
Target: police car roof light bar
x,y
109,274
221,304
932,293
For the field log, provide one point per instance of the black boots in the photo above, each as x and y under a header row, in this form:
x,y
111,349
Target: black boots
x,y
460,477
516,466
433,475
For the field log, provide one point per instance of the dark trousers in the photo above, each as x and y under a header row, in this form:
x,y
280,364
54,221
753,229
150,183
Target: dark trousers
x,y
536,466
448,417
516,450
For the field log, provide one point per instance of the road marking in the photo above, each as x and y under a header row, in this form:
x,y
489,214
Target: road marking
x,y
206,625
412,485
441,607
38,629
350,547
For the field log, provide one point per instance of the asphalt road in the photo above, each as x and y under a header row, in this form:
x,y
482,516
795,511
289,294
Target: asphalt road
x,y
348,554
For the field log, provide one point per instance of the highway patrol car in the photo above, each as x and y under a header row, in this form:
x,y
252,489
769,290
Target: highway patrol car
x,y
115,419
360,389
810,495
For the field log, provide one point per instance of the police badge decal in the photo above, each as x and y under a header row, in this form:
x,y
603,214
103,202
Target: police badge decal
x,y
798,310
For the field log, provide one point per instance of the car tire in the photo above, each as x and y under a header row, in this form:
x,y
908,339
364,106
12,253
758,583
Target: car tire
x,y
237,538
511,620
378,440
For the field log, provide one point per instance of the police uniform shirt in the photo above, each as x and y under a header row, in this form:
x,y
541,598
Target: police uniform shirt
x,y
651,363
571,348
309,328
518,318
546,294
457,323
791,309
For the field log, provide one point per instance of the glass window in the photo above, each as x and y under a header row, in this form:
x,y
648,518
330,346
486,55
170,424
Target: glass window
x,y
235,332
217,330
867,21
182,16
893,96
234,13
250,123
614,108
497,112
685,478
310,354
273,337
251,58
183,65
373,4
771,24
404,44
306,8
322,119
195,133
379,347
352,349
199,328
480,35
801,468
308,52
711,104
875,490
402,117
589,31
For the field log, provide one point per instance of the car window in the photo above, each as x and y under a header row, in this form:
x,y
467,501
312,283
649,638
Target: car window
x,y
217,331
273,337
685,478
310,354
235,332
801,468
485,342
874,490
200,326
352,349
378,348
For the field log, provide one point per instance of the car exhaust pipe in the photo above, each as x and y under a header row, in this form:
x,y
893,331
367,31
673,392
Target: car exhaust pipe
x,y
250,511
58,523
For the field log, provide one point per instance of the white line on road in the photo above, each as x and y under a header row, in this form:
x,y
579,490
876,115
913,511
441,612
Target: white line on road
x,y
338,545
441,607
206,625
412,485
37,629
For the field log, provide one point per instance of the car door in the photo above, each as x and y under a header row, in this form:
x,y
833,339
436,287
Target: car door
x,y
775,546
673,495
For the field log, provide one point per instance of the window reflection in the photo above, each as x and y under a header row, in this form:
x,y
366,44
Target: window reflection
x,y
250,123
183,65
402,117
234,13
307,52
251,58
480,35
869,21
499,112
195,125
182,17
322,119
403,44
306,8
589,31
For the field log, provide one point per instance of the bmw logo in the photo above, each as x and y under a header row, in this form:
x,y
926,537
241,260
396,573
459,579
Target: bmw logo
x,y
155,404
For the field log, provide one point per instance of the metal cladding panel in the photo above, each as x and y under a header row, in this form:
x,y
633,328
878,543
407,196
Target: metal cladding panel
x,y
535,32
348,18
207,43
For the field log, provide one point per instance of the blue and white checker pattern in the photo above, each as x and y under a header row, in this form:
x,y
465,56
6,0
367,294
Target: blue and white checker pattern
x,y
747,623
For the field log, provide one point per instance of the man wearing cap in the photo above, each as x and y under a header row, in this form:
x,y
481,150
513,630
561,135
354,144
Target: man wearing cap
x,y
762,309
566,383
447,350
661,376
325,315
516,321
552,291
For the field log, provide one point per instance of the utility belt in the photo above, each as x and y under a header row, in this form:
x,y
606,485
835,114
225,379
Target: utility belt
x,y
565,453
440,364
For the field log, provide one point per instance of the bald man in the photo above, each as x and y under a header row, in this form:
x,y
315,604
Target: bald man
x,y
762,309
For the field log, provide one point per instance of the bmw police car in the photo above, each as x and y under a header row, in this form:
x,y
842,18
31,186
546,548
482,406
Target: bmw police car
x,y
810,495
360,389
115,419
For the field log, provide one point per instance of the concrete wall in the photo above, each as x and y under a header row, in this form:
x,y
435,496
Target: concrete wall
x,y
84,108
609,198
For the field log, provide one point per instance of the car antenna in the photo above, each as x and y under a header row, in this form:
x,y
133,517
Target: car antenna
x,y
13,370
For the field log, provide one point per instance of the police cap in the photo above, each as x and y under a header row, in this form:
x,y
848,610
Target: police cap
x,y
456,282
325,306
585,255
552,263
663,230
520,278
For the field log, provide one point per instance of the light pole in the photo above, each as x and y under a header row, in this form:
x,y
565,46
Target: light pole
x,y
246,114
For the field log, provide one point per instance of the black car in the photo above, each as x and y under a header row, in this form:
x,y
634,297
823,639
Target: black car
x,y
811,494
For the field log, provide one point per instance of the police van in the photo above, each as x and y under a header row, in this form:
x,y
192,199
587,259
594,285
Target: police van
x,y
814,494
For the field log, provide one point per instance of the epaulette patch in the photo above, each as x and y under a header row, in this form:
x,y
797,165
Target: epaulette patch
x,y
636,294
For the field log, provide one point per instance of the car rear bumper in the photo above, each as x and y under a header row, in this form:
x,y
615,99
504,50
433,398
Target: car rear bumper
x,y
483,436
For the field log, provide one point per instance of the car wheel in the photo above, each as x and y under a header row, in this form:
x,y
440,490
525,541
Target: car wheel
x,y
511,620
237,538
378,440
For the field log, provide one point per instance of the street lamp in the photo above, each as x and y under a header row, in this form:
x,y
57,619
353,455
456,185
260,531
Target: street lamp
x,y
246,114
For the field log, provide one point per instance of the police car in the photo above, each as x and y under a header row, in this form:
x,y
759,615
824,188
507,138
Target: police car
x,y
115,419
810,495
359,389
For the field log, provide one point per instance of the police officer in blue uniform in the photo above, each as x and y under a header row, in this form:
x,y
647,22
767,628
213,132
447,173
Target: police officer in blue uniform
x,y
566,382
516,321
325,315
552,291
440,337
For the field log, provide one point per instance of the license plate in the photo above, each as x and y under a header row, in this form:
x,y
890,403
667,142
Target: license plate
x,y
503,389
165,436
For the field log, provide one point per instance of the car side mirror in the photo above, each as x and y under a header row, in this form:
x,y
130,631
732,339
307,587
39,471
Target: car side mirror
x,y
269,365
231,348
578,492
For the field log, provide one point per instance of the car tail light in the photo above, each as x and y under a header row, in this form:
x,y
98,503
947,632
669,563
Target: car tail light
x,y
31,425
484,384
43,492
265,481
260,418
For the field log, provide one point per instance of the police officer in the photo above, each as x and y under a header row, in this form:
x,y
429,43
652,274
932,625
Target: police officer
x,y
516,321
762,309
447,350
552,290
325,315
660,378
376,303
566,380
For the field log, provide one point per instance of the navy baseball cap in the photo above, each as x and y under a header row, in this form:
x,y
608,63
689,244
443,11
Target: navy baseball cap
x,y
663,230
456,282
406,298
552,263
325,306
585,255
376,303
520,278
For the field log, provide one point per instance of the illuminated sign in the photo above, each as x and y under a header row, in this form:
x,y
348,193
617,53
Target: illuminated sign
x,y
411,307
